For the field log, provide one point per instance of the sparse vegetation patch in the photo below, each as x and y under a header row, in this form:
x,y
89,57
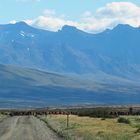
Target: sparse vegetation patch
x,y
123,120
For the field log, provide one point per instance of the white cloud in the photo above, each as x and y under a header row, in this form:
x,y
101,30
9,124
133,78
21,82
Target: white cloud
x,y
120,12
29,22
110,15
51,21
12,22
49,12
87,14
105,17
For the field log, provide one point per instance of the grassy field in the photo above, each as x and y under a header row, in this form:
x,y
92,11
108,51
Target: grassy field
x,y
85,128
2,117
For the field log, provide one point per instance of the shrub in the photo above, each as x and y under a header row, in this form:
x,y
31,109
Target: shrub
x,y
137,119
138,130
103,119
123,120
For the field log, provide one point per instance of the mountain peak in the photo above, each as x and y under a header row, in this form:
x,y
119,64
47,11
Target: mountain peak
x,y
123,27
70,29
21,24
16,26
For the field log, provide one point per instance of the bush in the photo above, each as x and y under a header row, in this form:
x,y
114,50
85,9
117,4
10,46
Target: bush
x,y
123,120
138,130
103,119
137,119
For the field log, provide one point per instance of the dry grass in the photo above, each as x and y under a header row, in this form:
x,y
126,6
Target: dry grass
x,y
2,117
85,128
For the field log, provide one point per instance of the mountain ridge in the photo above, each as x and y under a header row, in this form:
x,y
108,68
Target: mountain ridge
x,y
65,27
113,52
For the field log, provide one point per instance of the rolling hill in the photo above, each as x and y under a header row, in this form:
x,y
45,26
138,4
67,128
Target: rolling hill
x,y
30,88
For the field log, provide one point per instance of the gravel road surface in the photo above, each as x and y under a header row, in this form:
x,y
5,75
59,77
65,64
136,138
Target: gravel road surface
x,y
25,128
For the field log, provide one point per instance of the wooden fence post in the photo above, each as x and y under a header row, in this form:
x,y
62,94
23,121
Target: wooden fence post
x,y
67,120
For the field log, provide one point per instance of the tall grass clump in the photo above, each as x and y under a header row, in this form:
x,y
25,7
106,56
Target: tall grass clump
x,y
123,120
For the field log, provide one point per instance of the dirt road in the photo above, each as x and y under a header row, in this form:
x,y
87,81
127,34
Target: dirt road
x,y
25,128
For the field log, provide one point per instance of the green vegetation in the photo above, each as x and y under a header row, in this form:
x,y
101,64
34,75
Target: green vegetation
x,y
138,130
2,116
123,120
87,128
98,112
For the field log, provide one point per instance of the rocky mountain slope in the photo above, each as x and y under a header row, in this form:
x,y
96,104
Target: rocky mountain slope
x,y
70,50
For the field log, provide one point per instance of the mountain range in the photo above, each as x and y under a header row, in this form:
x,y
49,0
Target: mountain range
x,y
70,50
100,68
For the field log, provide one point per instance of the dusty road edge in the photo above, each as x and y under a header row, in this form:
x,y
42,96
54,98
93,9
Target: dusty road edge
x,y
60,135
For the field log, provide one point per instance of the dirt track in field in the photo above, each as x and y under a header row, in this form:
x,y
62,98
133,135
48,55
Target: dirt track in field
x,y
25,128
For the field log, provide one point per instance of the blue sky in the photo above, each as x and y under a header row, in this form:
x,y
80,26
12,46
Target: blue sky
x,y
43,13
